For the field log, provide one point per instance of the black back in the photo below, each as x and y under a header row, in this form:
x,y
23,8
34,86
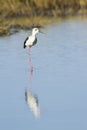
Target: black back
x,y
35,41
25,42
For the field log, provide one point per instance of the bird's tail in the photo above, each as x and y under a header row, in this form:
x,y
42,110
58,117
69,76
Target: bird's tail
x,y
24,46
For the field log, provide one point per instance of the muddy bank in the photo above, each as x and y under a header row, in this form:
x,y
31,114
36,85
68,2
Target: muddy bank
x,y
21,14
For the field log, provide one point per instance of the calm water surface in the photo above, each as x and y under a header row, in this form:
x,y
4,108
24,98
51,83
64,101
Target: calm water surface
x,y
59,78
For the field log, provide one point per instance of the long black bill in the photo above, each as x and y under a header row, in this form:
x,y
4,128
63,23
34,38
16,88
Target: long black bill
x,y
41,31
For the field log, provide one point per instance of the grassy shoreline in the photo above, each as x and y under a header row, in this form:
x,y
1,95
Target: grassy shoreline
x,y
12,25
20,14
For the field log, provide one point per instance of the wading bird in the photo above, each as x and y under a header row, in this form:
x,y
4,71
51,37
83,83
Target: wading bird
x,y
31,100
31,41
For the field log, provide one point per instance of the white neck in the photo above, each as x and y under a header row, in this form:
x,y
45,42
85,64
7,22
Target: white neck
x,y
33,34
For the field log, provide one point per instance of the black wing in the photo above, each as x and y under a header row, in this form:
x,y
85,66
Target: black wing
x,y
35,41
25,42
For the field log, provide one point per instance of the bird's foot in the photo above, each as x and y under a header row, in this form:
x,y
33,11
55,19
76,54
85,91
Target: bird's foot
x,y
31,69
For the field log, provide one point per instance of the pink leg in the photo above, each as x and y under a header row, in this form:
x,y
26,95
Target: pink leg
x,y
31,68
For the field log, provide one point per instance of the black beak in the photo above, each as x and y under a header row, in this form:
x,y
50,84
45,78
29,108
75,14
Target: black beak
x,y
41,32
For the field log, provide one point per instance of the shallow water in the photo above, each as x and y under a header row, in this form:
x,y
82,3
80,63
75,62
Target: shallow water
x,y
59,78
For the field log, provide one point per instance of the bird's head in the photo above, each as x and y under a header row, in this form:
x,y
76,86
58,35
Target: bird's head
x,y
35,31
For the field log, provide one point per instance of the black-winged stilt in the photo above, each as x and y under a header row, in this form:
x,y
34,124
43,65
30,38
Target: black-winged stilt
x,y
31,100
31,41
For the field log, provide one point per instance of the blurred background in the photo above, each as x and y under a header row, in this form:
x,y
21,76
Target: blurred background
x,y
23,13
57,96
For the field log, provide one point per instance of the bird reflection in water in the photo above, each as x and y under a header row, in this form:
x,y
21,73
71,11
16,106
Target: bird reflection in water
x,y
32,100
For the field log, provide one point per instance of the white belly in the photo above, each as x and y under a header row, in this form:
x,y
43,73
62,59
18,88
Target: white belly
x,y
30,41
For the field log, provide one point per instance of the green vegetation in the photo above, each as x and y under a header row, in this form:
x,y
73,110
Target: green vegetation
x,y
22,13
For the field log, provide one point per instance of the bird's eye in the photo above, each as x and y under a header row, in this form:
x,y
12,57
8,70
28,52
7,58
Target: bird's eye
x,y
35,29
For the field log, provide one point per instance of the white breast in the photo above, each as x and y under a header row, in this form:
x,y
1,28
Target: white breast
x,y
30,40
